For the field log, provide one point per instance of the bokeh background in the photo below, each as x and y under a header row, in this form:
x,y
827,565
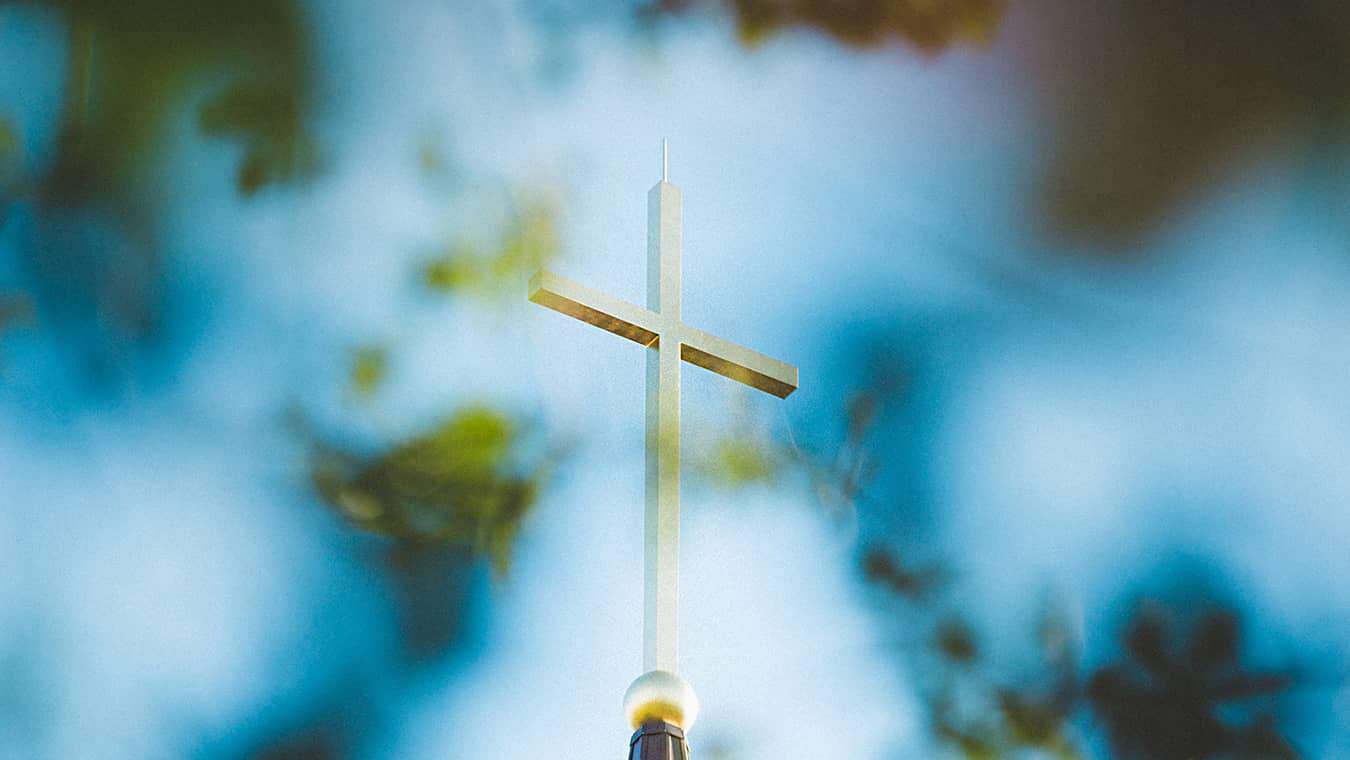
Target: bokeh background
x,y
289,468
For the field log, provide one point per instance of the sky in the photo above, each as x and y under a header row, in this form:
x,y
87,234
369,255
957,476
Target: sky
x,y
167,572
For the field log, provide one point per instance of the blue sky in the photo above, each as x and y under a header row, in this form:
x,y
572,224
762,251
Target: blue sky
x,y
161,548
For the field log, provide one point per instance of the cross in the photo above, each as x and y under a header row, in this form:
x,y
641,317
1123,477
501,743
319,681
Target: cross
x,y
670,341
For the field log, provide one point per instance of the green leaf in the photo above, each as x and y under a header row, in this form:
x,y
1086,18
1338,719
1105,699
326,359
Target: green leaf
x,y
133,65
368,369
527,242
457,269
736,462
973,745
469,482
1030,723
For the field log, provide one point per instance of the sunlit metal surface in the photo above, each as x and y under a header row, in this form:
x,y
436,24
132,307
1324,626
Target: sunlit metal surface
x,y
660,328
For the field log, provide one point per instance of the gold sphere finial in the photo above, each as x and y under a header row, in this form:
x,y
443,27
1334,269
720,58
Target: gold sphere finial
x,y
661,695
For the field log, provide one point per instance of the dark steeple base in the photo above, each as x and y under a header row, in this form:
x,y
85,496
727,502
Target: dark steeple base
x,y
658,740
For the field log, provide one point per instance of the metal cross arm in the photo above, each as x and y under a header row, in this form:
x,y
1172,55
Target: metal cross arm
x,y
737,362
647,328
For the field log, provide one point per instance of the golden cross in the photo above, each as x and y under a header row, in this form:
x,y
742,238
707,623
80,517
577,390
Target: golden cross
x,y
659,328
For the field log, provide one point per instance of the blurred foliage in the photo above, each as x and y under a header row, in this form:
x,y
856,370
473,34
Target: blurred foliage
x,y
975,715
955,641
93,259
747,452
432,585
428,511
468,482
968,710
1179,693
332,726
15,310
13,183
884,569
266,117
928,25
527,242
839,472
324,741
734,462
131,66
1036,723
1150,101
1172,696
743,453
369,366
9,139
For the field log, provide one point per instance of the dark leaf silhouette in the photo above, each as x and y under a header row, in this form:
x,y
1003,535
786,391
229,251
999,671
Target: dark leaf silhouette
x,y
1146,643
1163,704
132,64
973,744
927,25
1150,101
956,642
15,311
94,258
268,119
1215,643
884,569
431,581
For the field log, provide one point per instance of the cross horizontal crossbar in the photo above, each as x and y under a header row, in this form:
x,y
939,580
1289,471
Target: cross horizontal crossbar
x,y
647,328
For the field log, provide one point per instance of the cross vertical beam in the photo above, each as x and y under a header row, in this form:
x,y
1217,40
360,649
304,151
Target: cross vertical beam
x,y
660,694
661,525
